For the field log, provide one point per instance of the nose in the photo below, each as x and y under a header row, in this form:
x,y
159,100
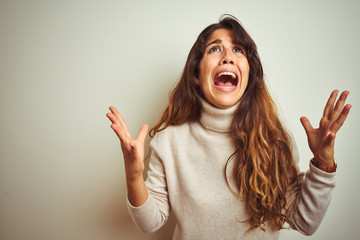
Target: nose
x,y
227,58
227,61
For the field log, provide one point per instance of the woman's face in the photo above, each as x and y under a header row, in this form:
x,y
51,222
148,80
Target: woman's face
x,y
224,70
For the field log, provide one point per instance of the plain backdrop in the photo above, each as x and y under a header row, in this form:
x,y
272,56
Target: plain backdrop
x,y
63,63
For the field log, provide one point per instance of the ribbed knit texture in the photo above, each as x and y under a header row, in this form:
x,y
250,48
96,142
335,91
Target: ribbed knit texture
x,y
186,176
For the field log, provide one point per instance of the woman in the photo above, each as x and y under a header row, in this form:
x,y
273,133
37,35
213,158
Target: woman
x,y
220,158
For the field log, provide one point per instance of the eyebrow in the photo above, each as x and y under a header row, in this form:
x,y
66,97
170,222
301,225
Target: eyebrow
x,y
220,41
213,42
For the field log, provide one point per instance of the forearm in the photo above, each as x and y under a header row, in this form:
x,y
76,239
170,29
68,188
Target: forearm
x,y
137,191
312,200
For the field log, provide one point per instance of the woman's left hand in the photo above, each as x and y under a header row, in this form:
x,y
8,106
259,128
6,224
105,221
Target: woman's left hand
x,y
321,140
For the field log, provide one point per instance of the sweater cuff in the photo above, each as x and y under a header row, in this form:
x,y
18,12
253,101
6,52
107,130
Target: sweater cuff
x,y
132,207
320,172
145,216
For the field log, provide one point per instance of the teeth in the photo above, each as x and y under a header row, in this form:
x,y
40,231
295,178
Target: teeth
x,y
226,73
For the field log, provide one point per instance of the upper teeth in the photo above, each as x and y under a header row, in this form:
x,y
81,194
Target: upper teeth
x,y
226,73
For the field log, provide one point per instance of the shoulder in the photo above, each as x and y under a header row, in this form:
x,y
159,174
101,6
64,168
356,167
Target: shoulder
x,y
177,137
171,134
168,143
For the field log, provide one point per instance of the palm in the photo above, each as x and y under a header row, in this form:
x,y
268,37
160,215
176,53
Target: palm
x,y
317,143
134,159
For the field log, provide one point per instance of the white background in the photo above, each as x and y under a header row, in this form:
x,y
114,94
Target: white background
x,y
62,63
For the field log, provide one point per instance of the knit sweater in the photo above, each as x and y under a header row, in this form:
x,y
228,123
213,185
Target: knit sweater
x,y
186,176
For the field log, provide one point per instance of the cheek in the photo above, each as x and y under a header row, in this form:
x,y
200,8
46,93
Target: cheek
x,y
204,86
207,64
244,67
204,76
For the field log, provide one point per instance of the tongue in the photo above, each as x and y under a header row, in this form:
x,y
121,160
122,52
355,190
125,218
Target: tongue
x,y
227,84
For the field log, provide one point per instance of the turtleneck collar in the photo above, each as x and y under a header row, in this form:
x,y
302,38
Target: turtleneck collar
x,y
216,119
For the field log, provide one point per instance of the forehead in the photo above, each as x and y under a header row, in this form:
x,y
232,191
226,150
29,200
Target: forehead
x,y
221,34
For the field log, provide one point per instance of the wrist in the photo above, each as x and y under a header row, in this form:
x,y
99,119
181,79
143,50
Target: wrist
x,y
327,166
134,179
134,175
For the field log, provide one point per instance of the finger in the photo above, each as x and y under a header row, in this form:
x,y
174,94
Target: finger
x,y
306,124
341,102
121,135
143,132
118,132
112,118
330,104
113,115
121,120
341,119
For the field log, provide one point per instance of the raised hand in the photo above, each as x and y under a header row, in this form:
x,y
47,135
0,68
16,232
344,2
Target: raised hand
x,y
133,150
321,140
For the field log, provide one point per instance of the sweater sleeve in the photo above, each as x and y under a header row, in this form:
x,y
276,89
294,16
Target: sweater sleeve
x,y
311,198
154,213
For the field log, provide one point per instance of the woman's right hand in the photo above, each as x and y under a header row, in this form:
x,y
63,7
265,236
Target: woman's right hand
x,y
133,150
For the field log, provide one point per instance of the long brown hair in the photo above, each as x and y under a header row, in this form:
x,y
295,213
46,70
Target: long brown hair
x,y
264,169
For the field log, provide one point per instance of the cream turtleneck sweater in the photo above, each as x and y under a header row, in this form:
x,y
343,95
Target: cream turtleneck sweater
x,y
186,176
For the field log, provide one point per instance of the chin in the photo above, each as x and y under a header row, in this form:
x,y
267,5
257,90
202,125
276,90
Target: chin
x,y
225,103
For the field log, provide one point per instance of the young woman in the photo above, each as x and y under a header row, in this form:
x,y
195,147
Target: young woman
x,y
221,159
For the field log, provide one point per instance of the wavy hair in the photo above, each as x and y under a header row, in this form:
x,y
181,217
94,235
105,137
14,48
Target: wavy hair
x,y
263,166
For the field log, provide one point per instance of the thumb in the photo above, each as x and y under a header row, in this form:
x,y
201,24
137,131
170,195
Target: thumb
x,y
306,124
142,133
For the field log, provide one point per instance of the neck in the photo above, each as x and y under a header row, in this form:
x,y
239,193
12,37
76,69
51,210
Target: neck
x,y
216,119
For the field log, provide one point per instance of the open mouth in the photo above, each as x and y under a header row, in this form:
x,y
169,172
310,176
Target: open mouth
x,y
226,80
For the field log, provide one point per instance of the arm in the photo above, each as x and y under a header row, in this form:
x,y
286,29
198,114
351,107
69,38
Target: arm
x,y
148,203
154,213
311,197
